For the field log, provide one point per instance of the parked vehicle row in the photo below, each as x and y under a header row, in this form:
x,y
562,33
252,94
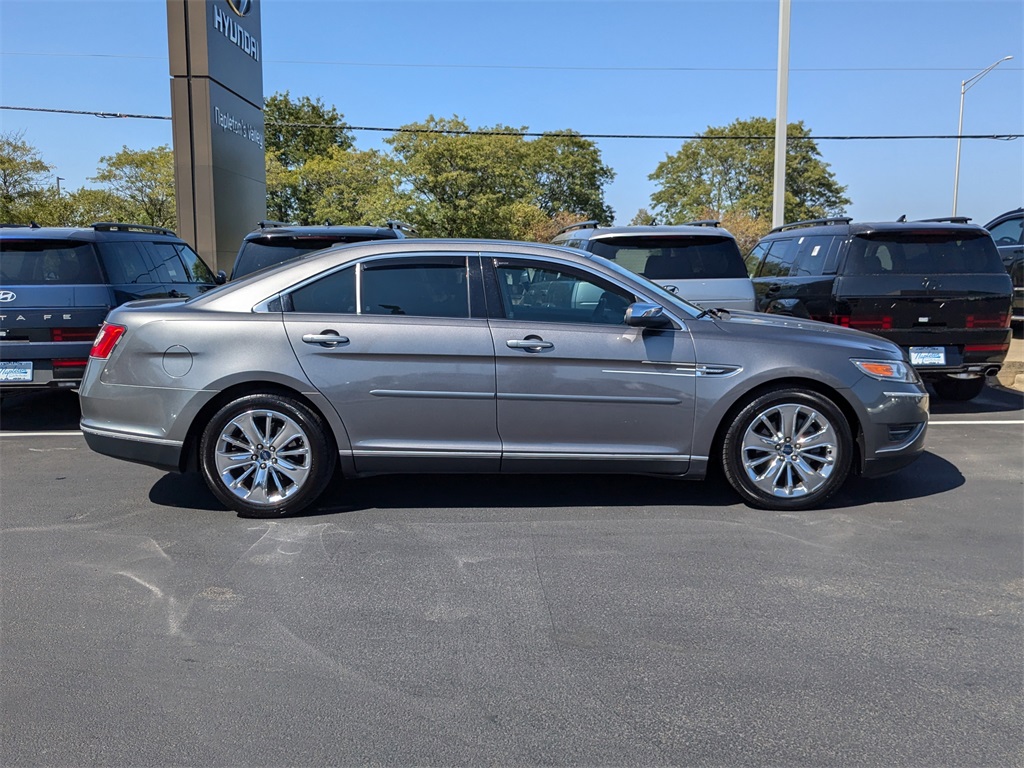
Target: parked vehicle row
x,y
393,354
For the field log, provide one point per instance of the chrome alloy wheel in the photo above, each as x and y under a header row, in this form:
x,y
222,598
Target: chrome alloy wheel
x,y
790,450
263,456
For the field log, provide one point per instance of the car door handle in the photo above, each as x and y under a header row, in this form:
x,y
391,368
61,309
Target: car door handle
x,y
325,339
530,345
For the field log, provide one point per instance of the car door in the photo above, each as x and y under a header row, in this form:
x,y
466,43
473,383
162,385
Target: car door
x,y
392,343
578,389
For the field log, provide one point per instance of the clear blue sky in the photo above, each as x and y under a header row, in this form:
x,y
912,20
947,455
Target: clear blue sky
x,y
864,67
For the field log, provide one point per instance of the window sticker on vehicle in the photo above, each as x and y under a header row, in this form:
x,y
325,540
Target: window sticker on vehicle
x,y
21,371
928,355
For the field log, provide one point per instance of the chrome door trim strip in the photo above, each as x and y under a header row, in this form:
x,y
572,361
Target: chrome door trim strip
x,y
426,393
540,397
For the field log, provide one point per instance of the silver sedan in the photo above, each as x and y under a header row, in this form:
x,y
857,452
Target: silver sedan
x,y
415,356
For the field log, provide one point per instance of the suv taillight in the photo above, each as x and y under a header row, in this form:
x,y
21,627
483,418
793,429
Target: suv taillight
x,y
73,334
106,340
998,320
881,323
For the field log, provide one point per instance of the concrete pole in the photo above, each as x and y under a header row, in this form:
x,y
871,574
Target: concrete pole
x,y
781,120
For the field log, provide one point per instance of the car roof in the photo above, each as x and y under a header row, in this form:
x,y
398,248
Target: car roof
x,y
95,232
273,229
696,229
846,225
1008,215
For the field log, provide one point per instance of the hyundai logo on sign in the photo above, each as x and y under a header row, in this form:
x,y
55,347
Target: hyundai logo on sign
x,y
233,31
241,7
8,295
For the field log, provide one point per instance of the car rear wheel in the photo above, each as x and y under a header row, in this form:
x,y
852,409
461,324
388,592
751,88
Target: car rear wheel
x,y
788,449
959,389
266,456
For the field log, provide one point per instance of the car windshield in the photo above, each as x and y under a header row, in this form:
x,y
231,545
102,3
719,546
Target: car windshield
x,y
675,257
256,255
923,253
48,262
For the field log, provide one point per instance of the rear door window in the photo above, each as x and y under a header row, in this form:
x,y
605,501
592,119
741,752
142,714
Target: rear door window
x,y
780,257
48,262
816,255
133,263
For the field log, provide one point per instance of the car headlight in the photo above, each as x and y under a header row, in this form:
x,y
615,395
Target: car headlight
x,y
887,370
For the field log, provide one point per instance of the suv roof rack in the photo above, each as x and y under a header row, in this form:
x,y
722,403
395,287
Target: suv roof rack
x,y
950,219
590,224
812,223
117,226
270,224
703,223
396,224
32,225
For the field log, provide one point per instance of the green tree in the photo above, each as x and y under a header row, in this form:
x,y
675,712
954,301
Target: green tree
x,y
643,218
296,130
353,187
24,177
142,183
731,169
494,182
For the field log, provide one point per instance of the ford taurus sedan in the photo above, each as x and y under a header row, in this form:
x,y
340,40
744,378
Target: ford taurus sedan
x,y
458,356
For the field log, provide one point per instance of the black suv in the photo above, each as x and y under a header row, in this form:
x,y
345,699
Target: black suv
x,y
273,242
935,287
1008,231
57,284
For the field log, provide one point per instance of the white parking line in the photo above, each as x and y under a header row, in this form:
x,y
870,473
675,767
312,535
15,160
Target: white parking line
x,y
69,433
1005,421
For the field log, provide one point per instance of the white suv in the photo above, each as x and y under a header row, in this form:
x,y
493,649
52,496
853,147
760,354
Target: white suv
x,y
699,261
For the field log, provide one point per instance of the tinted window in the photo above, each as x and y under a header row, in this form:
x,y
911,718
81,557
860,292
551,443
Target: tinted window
x,y
48,262
333,294
1009,232
257,254
434,287
196,269
138,262
542,294
753,259
778,262
676,257
923,253
816,255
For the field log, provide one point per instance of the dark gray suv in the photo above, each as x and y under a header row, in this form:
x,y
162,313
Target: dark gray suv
x,y
57,284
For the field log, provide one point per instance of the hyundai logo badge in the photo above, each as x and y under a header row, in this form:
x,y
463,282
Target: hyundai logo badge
x,y
8,295
241,7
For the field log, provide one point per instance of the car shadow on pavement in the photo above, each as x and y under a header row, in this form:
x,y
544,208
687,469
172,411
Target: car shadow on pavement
x,y
50,411
928,476
994,398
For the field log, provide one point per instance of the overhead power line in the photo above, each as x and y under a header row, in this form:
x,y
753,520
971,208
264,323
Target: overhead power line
x,y
489,132
540,67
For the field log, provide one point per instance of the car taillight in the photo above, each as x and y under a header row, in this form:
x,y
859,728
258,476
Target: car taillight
x,y
72,334
879,323
106,340
69,363
998,320
986,347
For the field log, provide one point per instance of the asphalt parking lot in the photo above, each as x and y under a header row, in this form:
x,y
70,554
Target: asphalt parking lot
x,y
514,621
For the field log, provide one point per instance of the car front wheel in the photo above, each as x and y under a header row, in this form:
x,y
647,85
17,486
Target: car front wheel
x,y
788,449
266,456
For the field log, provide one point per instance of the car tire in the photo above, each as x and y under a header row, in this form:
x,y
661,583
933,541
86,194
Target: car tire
x,y
266,456
959,389
768,455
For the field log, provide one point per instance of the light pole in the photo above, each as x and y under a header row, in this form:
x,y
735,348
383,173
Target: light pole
x,y
965,86
59,180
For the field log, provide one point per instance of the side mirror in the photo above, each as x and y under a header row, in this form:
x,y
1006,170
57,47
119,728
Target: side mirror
x,y
221,277
640,314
